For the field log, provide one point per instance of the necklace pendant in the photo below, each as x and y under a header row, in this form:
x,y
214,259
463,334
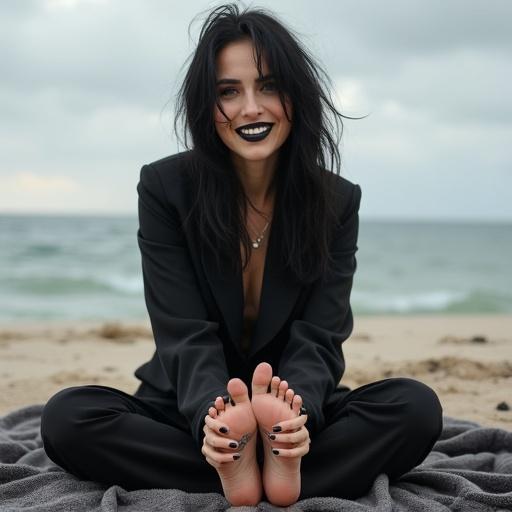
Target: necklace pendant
x,y
255,245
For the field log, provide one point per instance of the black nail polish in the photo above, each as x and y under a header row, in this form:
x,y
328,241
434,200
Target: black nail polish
x,y
233,445
224,430
275,452
277,428
225,399
272,436
236,457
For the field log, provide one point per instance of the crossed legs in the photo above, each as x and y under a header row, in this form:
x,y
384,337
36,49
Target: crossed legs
x,y
103,434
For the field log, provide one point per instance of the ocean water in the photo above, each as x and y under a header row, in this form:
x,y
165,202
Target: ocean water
x,y
88,268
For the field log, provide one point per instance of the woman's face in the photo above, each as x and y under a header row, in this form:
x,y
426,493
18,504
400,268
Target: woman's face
x,y
247,101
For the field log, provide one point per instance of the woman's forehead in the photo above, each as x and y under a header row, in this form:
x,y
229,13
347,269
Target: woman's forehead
x,y
239,59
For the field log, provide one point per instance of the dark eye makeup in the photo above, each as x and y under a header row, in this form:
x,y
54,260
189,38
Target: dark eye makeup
x,y
224,92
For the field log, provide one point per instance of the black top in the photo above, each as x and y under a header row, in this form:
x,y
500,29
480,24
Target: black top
x,y
196,312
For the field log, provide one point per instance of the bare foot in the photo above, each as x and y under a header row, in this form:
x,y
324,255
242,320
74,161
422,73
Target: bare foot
x,y
281,475
240,478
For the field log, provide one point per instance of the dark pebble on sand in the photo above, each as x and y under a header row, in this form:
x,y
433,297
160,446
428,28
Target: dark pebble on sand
x,y
479,339
503,406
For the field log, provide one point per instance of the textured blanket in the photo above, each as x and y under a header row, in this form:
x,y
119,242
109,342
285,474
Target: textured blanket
x,y
469,469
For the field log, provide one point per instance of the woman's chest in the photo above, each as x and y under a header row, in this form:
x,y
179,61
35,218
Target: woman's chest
x,y
253,281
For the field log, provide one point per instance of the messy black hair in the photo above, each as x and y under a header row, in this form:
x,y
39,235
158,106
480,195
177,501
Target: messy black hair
x,y
302,181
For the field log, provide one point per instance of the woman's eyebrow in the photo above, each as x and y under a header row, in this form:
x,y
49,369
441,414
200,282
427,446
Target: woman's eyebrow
x,y
236,81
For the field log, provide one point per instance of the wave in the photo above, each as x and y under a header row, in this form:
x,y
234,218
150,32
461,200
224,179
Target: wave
x,y
75,285
438,301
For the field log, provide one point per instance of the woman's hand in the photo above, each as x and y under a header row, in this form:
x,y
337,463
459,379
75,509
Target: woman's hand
x,y
218,448
229,445
294,434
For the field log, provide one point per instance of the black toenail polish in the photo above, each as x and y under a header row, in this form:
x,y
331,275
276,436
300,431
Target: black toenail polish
x,y
233,445
236,457
272,436
277,428
224,430
275,452
225,399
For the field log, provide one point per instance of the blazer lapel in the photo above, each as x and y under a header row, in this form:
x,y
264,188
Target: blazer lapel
x,y
278,295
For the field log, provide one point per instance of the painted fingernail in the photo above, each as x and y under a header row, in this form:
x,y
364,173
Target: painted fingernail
x,y
275,452
236,457
233,444
224,430
277,428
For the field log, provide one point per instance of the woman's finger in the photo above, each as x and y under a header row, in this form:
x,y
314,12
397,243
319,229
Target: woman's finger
x,y
216,458
293,424
297,437
216,441
298,451
216,424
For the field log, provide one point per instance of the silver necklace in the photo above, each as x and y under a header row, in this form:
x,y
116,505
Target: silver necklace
x,y
259,238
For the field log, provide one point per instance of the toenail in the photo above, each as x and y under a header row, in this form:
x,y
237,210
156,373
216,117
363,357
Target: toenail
x,y
233,444
275,452
277,428
224,430
236,457
272,436
225,399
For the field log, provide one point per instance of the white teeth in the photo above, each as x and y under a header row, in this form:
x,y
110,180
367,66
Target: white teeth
x,y
253,131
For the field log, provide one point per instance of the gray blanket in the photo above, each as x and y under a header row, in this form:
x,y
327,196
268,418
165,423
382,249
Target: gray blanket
x,y
469,469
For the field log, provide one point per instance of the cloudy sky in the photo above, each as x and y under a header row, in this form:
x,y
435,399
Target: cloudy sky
x,y
87,89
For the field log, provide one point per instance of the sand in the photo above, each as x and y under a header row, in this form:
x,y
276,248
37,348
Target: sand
x,y
466,359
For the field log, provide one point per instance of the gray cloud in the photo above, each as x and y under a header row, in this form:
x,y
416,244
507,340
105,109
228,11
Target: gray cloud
x,y
87,93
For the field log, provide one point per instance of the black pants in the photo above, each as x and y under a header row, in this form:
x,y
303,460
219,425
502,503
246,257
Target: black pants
x,y
103,434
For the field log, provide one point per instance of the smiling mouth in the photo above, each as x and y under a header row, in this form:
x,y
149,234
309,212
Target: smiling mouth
x,y
254,132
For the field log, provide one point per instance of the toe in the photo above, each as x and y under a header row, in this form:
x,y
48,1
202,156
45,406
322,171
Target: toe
x,y
283,387
297,403
274,386
261,378
238,391
289,396
219,404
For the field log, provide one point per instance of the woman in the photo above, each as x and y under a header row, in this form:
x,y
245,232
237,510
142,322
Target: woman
x,y
248,249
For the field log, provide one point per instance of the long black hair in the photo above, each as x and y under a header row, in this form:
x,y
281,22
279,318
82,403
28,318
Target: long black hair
x,y
305,201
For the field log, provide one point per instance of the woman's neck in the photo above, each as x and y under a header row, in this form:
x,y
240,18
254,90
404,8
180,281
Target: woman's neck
x,y
256,177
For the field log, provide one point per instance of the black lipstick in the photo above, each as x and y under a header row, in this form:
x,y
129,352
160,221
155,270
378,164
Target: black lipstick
x,y
254,137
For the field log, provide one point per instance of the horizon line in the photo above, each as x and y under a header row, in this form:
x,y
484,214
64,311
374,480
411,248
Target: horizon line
x,y
363,218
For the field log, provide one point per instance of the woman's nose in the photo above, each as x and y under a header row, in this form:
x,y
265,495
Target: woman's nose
x,y
251,106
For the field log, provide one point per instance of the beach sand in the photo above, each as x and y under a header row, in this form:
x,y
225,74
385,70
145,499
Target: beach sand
x,y
466,359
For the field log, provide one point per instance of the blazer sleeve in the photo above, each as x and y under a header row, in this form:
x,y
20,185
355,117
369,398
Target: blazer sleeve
x,y
187,344
312,361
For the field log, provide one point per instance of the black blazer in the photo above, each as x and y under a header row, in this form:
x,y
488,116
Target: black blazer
x,y
196,313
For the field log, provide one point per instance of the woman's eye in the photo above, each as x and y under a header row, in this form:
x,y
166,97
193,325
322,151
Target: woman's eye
x,y
225,92
230,90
